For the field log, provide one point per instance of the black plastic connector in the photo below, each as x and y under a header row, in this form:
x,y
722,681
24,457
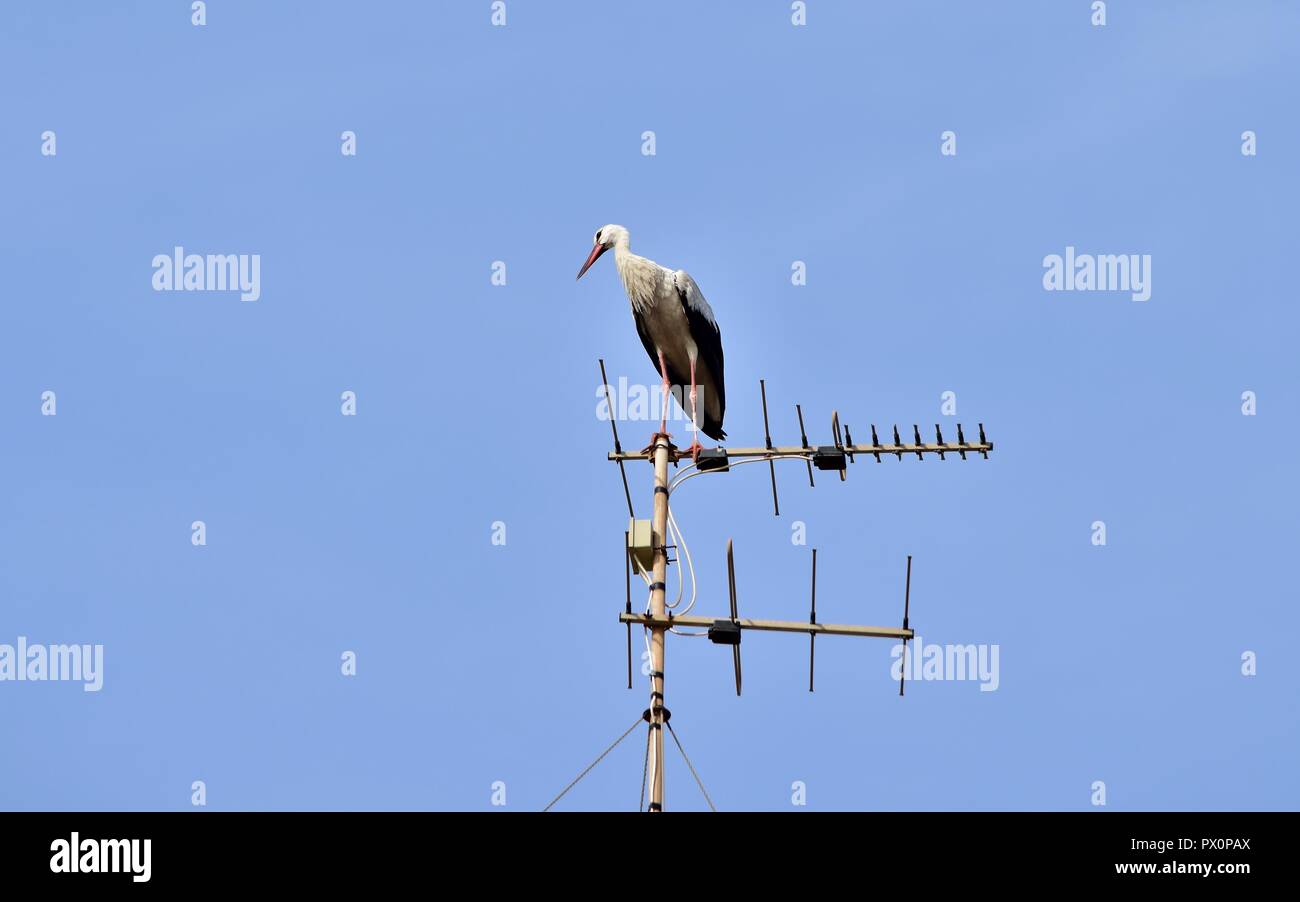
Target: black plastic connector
x,y
724,632
828,457
713,459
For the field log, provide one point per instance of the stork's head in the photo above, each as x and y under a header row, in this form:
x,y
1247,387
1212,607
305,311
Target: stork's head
x,y
606,237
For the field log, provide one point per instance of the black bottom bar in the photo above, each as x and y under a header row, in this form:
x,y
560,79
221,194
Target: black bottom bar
x,y
1151,852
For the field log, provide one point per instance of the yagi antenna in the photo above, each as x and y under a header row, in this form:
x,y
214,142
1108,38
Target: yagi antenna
x,y
835,456
728,631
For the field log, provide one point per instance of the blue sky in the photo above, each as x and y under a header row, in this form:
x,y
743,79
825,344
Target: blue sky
x,y
479,663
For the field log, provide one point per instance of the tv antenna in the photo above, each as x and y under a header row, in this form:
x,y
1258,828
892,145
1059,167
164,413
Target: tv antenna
x,y
646,546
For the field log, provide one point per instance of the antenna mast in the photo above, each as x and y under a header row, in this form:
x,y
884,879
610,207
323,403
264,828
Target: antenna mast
x,y
646,543
657,713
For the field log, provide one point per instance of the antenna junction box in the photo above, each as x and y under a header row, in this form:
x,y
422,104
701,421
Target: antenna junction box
x,y
713,459
640,545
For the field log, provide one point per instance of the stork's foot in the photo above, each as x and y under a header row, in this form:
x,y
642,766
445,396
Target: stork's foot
x,y
694,451
649,449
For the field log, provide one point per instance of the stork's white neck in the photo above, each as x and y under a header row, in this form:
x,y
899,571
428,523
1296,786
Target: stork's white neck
x,y
622,245
641,277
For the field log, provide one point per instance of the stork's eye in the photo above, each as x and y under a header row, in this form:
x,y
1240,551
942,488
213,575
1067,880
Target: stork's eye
x,y
598,237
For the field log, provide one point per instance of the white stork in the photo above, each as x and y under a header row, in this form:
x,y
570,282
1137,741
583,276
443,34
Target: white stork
x,y
676,326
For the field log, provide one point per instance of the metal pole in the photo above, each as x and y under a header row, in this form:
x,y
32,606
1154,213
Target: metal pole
x,y
659,538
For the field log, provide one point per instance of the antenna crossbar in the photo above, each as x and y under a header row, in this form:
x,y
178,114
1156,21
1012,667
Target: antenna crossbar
x,y
776,626
796,451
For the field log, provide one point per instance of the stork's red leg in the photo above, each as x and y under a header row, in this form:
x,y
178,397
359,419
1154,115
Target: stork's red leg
x,y
695,448
663,423
667,397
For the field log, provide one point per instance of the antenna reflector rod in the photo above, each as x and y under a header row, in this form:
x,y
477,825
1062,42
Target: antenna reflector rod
x,y
627,584
735,616
812,618
907,604
618,449
839,443
767,437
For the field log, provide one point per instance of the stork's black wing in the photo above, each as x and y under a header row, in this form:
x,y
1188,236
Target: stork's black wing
x,y
647,342
708,344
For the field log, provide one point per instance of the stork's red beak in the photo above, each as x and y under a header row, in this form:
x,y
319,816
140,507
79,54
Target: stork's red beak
x,y
595,255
